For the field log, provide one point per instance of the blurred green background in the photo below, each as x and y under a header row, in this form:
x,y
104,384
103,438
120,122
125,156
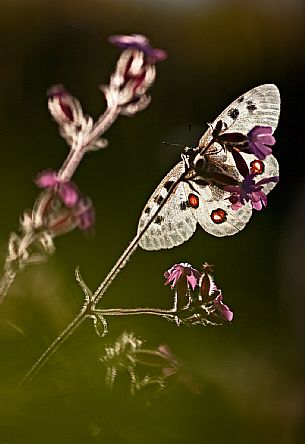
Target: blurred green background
x,y
251,373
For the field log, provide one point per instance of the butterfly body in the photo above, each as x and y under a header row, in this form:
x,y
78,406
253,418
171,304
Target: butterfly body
x,y
196,188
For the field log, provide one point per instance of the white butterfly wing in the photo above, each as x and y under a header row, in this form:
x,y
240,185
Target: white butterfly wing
x,y
215,215
259,106
270,168
175,223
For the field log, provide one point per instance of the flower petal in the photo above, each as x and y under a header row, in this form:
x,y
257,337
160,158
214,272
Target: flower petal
x,y
266,139
46,179
85,214
69,194
223,309
140,43
259,138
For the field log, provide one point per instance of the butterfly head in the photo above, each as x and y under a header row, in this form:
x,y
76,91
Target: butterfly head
x,y
200,163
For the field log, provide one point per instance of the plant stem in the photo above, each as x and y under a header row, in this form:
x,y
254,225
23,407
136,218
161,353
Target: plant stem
x,y
89,309
58,342
122,261
134,311
77,152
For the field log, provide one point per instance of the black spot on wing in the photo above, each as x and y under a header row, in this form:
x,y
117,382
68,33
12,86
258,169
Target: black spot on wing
x,y
158,220
233,113
168,184
158,199
251,106
147,210
240,99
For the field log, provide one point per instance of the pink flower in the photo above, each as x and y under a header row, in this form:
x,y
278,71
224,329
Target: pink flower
x,y
67,191
183,277
182,271
81,211
221,308
249,191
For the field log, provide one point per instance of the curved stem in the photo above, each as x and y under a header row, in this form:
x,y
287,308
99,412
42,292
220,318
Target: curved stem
x,y
58,342
133,311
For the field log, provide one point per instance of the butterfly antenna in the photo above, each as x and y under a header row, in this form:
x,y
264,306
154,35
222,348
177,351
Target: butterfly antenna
x,y
173,144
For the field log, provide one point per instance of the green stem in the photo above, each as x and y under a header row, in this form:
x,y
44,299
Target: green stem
x,y
77,321
133,311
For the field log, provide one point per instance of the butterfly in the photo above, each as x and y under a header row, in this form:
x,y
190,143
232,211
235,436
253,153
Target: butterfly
x,y
200,188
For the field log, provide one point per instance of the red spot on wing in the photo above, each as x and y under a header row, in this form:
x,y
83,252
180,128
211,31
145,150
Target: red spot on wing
x,y
193,200
257,166
219,216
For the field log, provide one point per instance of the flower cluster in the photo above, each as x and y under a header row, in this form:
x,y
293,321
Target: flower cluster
x,y
203,306
60,207
72,210
249,191
150,369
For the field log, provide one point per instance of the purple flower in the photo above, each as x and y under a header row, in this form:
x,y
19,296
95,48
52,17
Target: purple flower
x,y
260,140
183,277
249,191
135,73
221,308
67,191
140,43
182,271
77,210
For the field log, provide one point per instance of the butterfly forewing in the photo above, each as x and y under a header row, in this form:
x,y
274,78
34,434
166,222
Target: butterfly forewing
x,y
175,223
259,106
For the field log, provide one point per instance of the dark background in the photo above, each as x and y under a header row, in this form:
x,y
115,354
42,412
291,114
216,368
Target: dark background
x,y
251,373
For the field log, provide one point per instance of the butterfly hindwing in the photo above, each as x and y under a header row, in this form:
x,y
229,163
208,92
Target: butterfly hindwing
x,y
263,168
175,222
215,215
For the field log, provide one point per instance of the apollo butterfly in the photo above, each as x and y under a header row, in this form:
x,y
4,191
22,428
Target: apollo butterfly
x,y
209,185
